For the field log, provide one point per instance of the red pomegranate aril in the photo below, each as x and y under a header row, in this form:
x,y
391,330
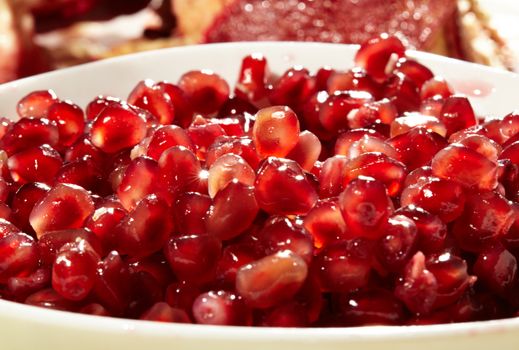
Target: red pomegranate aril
x,y
371,307
333,113
190,212
52,241
282,188
402,92
354,79
182,107
251,84
112,283
375,54
36,104
99,103
306,151
416,147
145,229
181,171
84,173
234,256
481,144
117,127
435,87
292,89
162,312
94,309
231,126
18,256
347,139
240,109
28,133
398,243
193,258
276,131
151,97
325,222
83,148
221,308
37,164
431,230
457,114
48,298
496,268
165,137
103,221
412,120
289,314
229,167
466,166
365,207
486,218
280,233
379,166
74,270
141,178
382,111
343,266
70,121
181,295
331,176
271,280
241,146
7,228
418,287
414,70
233,211
21,287
64,206
441,197
451,275
205,90
203,134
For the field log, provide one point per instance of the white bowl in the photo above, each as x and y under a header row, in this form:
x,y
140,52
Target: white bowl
x,y
26,327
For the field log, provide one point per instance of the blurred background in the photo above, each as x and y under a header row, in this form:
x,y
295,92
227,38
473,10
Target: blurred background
x,y
42,35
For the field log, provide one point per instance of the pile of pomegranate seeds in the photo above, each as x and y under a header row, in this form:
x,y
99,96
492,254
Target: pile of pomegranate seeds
x,y
340,198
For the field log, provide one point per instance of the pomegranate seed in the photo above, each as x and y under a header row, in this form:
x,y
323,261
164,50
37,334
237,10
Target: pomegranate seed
x,y
379,166
231,126
466,166
70,121
325,223
457,114
414,70
18,256
144,230
229,167
496,267
418,288
165,137
99,103
117,127
181,171
50,299
354,79
382,111
282,188
204,135
182,295
28,133
271,280
286,315
451,275
398,243
279,233
193,258
233,211
481,144
65,206
52,241
103,220
37,164
74,270
486,218
94,309
84,173
365,207
36,104
343,266
371,307
251,83
152,97
83,148
276,131
292,88
221,308
162,312
412,120
333,114
435,87
331,176
402,92
306,151
24,286
182,107
205,90
375,54
431,231
190,211
234,256
241,146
